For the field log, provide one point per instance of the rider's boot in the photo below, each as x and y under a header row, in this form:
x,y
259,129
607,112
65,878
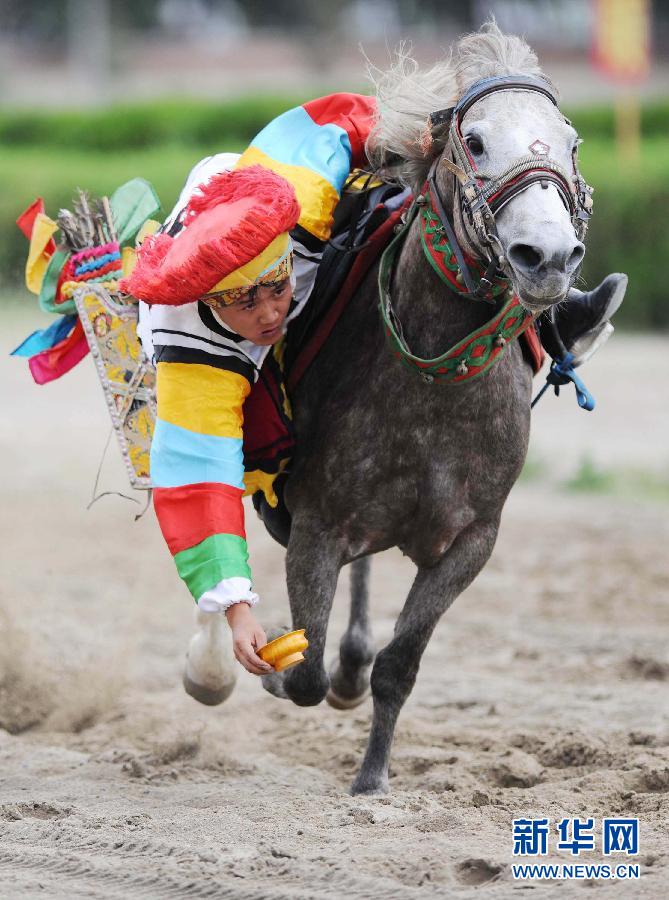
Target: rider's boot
x,y
582,320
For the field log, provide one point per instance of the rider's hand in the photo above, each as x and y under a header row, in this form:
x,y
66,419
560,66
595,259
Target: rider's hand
x,y
247,636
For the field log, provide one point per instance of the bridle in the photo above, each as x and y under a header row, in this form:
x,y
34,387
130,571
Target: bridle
x,y
481,195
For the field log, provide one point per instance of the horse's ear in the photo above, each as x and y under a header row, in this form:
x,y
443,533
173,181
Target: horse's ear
x,y
441,117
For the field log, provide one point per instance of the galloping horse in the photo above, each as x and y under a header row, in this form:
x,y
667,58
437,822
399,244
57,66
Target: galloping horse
x,y
385,457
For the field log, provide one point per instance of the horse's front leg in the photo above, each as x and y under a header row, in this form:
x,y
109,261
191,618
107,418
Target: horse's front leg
x,y
313,562
396,666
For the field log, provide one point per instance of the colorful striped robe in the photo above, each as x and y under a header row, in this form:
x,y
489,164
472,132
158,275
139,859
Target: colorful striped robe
x,y
205,371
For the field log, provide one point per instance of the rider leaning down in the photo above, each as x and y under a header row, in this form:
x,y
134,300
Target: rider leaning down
x,y
234,262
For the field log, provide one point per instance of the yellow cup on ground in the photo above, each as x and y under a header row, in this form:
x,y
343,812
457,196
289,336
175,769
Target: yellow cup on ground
x,y
285,651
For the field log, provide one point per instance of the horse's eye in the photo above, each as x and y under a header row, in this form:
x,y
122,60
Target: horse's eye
x,y
474,144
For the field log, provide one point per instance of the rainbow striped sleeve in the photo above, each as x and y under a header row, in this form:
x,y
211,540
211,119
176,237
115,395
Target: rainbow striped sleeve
x,y
315,147
197,470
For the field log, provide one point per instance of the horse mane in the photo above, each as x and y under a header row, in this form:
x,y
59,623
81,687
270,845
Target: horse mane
x,y
401,146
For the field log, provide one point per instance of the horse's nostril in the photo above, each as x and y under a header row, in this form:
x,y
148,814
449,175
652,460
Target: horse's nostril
x,y
576,257
525,257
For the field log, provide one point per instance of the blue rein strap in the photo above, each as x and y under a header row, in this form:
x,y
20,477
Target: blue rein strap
x,y
561,373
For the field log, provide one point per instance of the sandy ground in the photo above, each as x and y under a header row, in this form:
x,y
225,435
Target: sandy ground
x,y
542,693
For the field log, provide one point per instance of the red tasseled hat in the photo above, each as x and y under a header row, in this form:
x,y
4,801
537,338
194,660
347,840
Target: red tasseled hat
x,y
228,221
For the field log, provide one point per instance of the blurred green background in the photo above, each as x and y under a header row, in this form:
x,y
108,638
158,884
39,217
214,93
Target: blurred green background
x,y
258,59
49,154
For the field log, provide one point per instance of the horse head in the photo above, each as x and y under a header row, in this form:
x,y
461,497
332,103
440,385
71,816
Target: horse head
x,y
497,155
518,197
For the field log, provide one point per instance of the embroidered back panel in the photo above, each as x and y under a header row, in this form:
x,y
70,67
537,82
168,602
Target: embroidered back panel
x,y
128,379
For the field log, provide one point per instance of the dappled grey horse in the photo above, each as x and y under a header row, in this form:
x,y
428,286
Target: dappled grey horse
x,y
385,457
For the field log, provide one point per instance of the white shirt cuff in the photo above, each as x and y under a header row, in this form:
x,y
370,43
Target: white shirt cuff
x,y
226,593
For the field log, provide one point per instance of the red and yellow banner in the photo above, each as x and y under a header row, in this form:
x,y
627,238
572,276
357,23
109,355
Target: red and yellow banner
x,y
621,39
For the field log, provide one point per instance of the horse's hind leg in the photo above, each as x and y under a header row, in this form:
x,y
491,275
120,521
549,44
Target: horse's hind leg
x,y
396,666
313,562
210,672
349,677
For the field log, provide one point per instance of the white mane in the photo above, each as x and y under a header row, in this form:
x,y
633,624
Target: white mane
x,y
400,144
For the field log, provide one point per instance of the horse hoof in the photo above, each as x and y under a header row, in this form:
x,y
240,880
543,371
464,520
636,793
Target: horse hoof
x,y
273,684
363,787
338,702
358,687
206,695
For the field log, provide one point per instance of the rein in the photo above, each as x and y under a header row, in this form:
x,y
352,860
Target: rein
x,y
468,358
446,256
475,292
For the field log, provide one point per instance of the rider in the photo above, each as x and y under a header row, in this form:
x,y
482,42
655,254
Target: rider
x,y
234,262
232,265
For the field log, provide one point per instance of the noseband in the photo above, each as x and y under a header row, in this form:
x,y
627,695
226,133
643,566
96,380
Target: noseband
x,y
482,195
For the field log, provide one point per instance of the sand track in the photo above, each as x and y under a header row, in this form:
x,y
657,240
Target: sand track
x,y
543,691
